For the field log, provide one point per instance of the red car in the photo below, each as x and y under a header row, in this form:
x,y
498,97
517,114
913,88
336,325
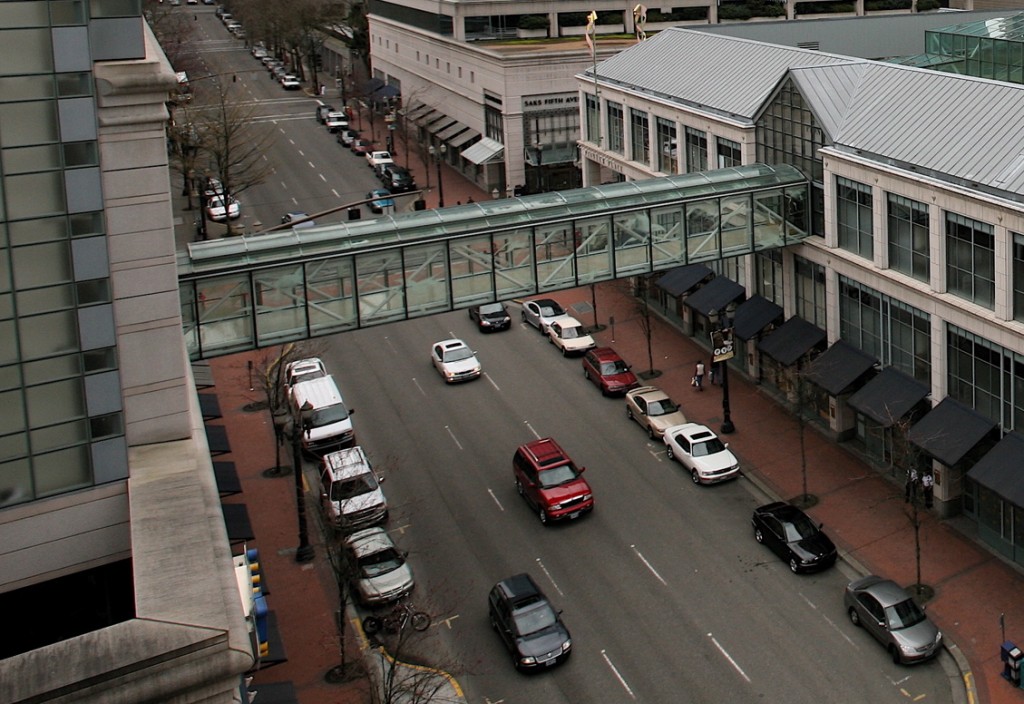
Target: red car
x,y
608,371
361,146
550,482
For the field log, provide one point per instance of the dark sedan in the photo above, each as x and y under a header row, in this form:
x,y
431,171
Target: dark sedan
x,y
793,536
530,627
491,317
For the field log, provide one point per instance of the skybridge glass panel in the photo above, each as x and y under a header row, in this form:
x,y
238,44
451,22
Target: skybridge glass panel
x,y
280,296
594,250
224,307
667,237
737,225
380,288
513,264
769,212
703,227
632,242
427,279
330,294
554,257
472,270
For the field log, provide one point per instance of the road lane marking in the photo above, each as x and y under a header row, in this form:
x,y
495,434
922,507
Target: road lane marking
x,y
550,578
454,439
729,658
840,631
488,377
311,165
322,178
648,564
292,141
284,185
418,386
535,433
618,676
502,508
336,194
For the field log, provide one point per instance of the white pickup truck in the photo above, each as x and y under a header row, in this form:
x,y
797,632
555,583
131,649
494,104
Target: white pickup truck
x,y
378,160
336,120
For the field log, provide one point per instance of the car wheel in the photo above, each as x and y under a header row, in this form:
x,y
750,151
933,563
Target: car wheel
x,y
854,617
629,411
668,451
586,374
694,476
758,535
565,352
651,434
519,487
522,315
543,516
794,566
895,652
494,624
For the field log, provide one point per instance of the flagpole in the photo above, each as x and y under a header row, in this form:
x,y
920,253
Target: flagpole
x,y
592,43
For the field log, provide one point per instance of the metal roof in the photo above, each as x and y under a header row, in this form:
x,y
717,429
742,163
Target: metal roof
x,y
703,70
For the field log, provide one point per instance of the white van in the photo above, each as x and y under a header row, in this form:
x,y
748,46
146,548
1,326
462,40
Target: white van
x,y
330,422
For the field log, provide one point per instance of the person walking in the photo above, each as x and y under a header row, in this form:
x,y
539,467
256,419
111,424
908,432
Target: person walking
x,y
698,376
910,491
928,489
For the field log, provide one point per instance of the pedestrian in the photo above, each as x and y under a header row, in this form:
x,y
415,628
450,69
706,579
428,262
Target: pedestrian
x,y
928,488
234,78
698,376
910,490
711,372
470,200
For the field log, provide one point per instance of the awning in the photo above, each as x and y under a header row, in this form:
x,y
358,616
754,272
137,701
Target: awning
x,y
792,340
226,476
484,151
839,367
387,91
217,439
274,693
442,123
1000,469
209,406
949,431
451,131
683,279
715,295
754,315
236,520
888,397
202,374
427,117
275,654
460,139
372,85
418,112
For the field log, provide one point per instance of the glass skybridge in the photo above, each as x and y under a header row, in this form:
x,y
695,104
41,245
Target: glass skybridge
x,y
241,293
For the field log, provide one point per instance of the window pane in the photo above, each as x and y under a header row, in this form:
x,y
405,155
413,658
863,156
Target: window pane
x,y
25,51
46,335
34,195
41,265
62,470
53,403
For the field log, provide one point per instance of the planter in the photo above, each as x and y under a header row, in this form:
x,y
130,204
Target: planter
x,y
541,33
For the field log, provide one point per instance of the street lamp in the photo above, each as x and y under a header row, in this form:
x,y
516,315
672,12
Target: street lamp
x,y
438,153
302,422
722,351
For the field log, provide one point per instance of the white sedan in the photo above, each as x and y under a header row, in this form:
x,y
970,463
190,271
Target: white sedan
x,y
290,82
220,208
455,361
568,334
702,453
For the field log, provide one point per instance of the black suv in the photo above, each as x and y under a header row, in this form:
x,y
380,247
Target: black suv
x,y
529,626
397,179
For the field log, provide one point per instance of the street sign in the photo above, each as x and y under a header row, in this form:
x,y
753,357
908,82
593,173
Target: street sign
x,y
722,348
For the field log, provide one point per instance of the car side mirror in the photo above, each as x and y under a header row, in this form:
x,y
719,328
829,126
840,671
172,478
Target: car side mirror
x,y
380,478
582,470
323,495
351,411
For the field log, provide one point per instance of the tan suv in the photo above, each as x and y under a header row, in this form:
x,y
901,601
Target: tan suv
x,y
550,482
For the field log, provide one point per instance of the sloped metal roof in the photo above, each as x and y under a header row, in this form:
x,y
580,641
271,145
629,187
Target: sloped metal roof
x,y
828,91
721,74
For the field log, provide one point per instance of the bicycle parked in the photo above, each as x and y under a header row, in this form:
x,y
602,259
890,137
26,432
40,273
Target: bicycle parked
x,y
400,618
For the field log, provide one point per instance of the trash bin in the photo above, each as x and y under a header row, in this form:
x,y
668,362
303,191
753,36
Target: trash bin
x,y
419,204
354,213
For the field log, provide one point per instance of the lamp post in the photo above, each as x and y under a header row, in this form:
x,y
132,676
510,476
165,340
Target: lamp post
x,y
722,352
438,153
539,151
301,423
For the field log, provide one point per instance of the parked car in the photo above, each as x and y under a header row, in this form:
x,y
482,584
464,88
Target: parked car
x,y
793,536
382,200
336,120
568,335
528,624
220,208
397,179
454,361
303,370
299,218
550,482
322,111
491,317
378,159
350,490
540,312
361,146
893,618
346,137
382,573
212,187
608,371
290,82
653,410
259,52
702,453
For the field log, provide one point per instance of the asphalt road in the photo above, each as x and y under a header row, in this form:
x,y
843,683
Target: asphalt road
x,y
667,595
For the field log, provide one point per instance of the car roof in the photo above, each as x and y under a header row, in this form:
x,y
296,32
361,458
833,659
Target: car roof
x,y
648,392
781,510
546,453
886,591
349,462
566,321
369,541
605,354
545,302
451,344
519,587
693,431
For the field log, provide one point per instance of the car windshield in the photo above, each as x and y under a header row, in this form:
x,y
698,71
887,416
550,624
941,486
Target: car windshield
x,y
613,368
458,355
904,615
353,486
570,333
378,563
492,309
799,528
708,447
329,415
534,618
559,475
551,311
662,407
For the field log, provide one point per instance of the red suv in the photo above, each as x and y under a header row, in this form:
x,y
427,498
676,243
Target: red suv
x,y
551,482
609,372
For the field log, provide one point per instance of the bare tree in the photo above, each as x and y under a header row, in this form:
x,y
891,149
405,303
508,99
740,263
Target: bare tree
x,y
907,455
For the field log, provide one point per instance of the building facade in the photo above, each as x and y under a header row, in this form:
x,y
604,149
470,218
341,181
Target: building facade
x,y
918,256
102,451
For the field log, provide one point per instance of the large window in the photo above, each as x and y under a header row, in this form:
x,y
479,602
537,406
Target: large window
x,y
668,147
810,291
640,133
895,332
769,275
494,123
696,150
908,237
854,217
615,128
593,120
729,153
986,376
1018,278
970,259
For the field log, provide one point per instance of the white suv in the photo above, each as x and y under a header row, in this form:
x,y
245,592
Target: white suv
x,y
350,491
